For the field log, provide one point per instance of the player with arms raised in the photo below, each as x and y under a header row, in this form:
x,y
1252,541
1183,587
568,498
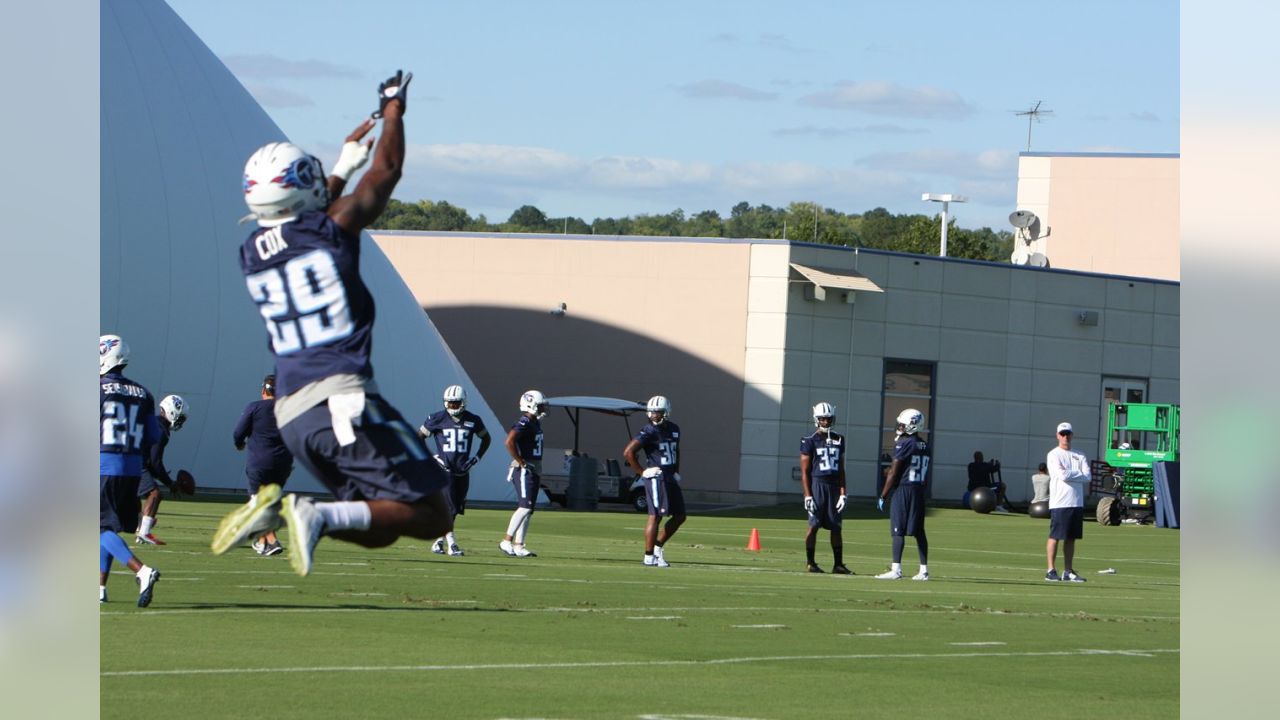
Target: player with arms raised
x,y
660,440
302,269
455,430
822,478
907,479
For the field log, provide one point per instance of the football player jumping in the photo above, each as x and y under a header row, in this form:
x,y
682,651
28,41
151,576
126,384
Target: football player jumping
x,y
302,269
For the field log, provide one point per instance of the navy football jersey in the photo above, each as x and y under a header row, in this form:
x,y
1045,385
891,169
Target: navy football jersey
x,y
528,437
153,465
305,278
915,453
826,454
128,425
456,439
661,444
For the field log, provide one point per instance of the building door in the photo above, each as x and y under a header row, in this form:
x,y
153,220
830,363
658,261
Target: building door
x,y
907,384
1119,390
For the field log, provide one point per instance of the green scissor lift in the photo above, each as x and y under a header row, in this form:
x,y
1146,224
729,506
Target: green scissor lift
x,y
1139,435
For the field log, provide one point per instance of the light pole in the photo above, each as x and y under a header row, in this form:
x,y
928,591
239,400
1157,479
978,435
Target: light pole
x,y
946,200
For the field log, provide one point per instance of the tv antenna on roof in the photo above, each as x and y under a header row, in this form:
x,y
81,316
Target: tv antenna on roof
x,y
1033,115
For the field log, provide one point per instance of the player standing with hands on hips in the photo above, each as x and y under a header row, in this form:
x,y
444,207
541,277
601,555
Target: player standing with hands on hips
x,y
660,440
822,478
906,480
524,444
302,269
1068,478
455,430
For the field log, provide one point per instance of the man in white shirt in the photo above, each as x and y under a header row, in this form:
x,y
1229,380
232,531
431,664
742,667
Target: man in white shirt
x,y
1068,478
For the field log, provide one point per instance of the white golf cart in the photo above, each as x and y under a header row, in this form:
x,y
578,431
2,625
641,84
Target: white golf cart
x,y
615,481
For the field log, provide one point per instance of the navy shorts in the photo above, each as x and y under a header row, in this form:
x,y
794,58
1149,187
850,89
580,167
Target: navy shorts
x,y
906,515
267,476
146,484
664,496
825,515
387,461
526,484
118,503
1066,523
459,485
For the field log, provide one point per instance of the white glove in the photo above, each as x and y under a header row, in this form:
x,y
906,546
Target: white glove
x,y
652,472
440,461
810,505
353,157
840,504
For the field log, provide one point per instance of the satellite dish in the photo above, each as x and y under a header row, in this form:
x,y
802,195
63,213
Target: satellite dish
x,y
1038,260
1022,219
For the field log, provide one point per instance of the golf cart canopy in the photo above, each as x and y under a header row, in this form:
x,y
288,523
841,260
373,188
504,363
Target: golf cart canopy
x,y
611,406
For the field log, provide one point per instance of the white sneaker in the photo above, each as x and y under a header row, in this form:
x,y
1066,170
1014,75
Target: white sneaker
x,y
305,527
890,575
102,594
648,560
260,514
437,547
507,548
522,551
147,578
920,576
259,546
659,558
455,550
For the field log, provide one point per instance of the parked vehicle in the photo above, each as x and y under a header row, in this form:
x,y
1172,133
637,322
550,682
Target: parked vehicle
x,y
614,480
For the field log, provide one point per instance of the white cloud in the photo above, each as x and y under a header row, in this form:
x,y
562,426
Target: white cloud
x,y
717,89
878,97
264,65
948,163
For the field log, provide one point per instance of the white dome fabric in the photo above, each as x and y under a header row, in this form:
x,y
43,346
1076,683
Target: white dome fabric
x,y
176,128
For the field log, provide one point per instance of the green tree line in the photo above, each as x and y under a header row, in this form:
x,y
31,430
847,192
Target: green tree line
x,y
800,221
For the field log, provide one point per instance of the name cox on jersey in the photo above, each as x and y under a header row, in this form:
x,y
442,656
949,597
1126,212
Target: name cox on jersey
x,y
270,243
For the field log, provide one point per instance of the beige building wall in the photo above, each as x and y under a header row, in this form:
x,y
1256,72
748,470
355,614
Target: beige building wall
x,y
642,317
1105,212
724,329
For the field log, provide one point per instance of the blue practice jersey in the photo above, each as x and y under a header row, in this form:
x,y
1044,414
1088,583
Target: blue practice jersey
x,y
661,445
457,439
826,455
256,430
915,453
305,277
528,437
128,426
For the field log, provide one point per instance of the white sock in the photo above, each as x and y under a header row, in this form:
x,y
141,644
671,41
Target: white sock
x,y
924,569
517,520
524,527
348,515
896,567
148,523
449,539
141,571
102,591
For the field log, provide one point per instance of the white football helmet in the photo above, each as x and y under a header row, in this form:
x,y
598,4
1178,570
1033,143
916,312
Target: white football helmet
x,y
824,410
113,352
174,409
281,181
910,421
455,393
660,407
533,402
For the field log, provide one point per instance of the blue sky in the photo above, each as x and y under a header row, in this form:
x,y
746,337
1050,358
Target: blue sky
x,y
599,109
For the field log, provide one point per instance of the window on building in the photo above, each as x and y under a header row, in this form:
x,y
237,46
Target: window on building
x,y
1121,391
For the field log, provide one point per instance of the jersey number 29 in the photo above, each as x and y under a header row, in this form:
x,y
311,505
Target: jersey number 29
x,y
311,284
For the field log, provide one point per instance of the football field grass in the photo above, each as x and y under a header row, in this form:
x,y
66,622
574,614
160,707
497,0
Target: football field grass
x,y
585,631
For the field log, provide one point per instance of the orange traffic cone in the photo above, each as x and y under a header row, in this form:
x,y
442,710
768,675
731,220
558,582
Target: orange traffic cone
x,y
753,545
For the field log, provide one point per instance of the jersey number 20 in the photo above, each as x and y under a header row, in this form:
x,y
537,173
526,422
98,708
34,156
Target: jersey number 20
x,y
311,284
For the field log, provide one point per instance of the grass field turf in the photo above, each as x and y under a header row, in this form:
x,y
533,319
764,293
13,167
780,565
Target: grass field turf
x,y
585,631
